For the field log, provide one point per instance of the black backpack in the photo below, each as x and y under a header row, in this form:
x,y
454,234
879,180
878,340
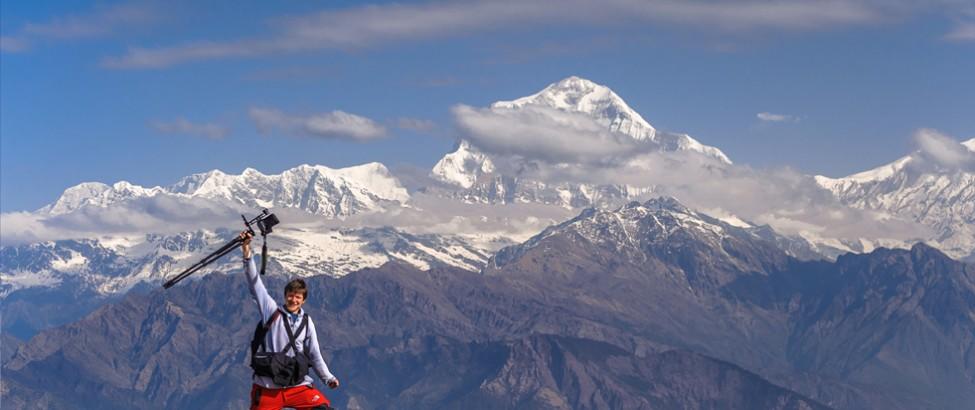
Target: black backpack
x,y
284,370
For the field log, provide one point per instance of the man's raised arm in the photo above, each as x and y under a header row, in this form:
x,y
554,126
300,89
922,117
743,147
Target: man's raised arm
x,y
265,302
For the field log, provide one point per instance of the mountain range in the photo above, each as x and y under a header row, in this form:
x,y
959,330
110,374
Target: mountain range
x,y
640,290
651,305
315,189
114,263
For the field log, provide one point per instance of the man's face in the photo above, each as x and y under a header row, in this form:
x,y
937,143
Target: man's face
x,y
293,301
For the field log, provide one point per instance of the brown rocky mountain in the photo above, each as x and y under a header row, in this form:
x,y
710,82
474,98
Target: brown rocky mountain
x,y
901,321
399,338
833,331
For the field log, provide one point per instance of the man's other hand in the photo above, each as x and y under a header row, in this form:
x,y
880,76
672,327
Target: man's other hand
x,y
333,384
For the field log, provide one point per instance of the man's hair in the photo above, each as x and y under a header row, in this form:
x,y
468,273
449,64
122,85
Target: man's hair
x,y
297,285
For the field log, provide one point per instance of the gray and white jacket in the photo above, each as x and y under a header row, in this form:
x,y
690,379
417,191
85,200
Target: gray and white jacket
x,y
276,339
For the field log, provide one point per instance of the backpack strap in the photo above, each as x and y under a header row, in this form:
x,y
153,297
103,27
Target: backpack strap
x,y
277,312
261,332
293,336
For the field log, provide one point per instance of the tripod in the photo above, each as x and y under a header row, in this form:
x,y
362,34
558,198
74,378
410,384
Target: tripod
x,y
264,222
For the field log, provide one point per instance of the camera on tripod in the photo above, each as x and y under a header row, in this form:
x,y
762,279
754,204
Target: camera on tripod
x,y
265,222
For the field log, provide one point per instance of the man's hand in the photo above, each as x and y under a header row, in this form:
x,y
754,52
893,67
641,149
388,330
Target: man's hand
x,y
246,236
333,384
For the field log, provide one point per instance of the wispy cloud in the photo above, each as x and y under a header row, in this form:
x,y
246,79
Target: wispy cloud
x,y
963,16
183,126
94,24
416,124
293,73
100,22
769,117
13,44
938,151
379,24
964,31
335,124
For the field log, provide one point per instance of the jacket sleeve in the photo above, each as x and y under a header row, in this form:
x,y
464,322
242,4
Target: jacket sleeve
x,y
315,353
265,303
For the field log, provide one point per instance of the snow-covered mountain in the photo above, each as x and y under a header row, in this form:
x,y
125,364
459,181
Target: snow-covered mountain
x,y
580,95
112,265
313,188
475,171
941,199
661,225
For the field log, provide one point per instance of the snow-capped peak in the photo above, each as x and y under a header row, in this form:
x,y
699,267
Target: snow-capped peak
x,y
943,201
577,94
665,214
662,226
466,163
877,174
880,173
75,196
663,203
375,177
462,166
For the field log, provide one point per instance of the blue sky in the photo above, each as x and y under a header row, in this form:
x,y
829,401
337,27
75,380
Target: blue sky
x,y
149,92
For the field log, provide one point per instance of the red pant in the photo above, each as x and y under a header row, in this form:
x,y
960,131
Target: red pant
x,y
298,397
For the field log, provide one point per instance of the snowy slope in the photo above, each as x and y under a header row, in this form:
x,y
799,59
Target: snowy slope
x,y
632,231
943,200
111,265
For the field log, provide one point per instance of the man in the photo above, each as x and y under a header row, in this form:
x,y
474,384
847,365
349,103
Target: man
x,y
265,393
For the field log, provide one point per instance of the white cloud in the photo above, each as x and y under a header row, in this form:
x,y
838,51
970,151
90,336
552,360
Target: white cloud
x,y
335,124
942,152
167,214
26,227
379,24
182,126
158,214
769,117
545,134
102,21
434,214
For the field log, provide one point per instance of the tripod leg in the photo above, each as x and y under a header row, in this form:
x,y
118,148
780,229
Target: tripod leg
x,y
223,250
